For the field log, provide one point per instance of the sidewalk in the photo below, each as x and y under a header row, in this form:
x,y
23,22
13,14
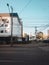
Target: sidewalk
x,y
19,45
26,45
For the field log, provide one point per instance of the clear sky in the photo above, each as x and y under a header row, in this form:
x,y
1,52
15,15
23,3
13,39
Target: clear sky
x,y
32,12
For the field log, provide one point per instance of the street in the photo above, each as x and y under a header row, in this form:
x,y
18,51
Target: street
x,y
24,55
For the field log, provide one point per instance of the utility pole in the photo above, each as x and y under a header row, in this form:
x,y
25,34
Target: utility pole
x,y
35,31
11,26
11,23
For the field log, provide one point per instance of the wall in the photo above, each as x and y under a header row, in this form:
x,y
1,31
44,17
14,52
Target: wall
x,y
5,25
16,27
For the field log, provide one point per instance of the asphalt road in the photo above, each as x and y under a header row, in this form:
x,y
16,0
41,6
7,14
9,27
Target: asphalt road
x,y
24,55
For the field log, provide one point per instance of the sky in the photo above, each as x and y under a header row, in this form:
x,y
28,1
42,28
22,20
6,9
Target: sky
x,y
32,12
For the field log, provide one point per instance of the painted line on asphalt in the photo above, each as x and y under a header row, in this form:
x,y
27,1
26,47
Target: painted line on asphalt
x,y
11,52
10,61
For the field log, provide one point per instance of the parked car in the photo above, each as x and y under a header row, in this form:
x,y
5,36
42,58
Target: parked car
x,y
46,41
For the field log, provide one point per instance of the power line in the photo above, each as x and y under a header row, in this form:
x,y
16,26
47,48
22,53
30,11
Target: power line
x,y
45,27
38,26
32,26
25,6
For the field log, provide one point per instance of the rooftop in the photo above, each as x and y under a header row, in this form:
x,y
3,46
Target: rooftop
x,y
8,14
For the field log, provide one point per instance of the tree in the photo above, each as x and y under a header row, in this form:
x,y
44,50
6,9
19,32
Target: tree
x,y
39,35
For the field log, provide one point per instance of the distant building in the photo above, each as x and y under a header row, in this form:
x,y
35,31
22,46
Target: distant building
x,y
48,34
39,35
5,25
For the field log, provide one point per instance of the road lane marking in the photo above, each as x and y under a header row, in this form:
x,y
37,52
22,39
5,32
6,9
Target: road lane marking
x,y
10,61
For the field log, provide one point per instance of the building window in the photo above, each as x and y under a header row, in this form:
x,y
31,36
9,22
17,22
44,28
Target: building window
x,y
2,25
5,31
1,31
3,19
6,25
7,22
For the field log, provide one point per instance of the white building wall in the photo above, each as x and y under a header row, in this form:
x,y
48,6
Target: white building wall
x,y
6,27
16,27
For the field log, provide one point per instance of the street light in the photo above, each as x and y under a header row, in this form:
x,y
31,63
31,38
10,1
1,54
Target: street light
x,y
8,7
11,22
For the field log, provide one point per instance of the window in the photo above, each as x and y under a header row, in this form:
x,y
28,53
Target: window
x,y
1,31
2,25
6,25
3,19
7,22
5,31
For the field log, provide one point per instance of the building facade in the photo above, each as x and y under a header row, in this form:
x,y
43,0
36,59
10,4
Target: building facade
x,y
5,25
